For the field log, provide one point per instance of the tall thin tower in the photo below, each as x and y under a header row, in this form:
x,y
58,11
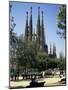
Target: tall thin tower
x,y
42,36
38,29
26,27
30,25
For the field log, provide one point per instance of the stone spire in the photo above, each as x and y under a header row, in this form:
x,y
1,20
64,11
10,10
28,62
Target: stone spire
x,y
42,36
30,25
38,29
26,27
54,50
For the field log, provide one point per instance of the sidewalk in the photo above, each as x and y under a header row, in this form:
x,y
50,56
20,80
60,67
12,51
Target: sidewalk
x,y
48,82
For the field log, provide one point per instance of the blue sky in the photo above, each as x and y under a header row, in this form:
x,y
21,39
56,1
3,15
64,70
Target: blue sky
x,y
50,12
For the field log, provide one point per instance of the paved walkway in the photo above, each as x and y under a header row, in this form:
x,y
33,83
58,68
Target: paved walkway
x,y
24,83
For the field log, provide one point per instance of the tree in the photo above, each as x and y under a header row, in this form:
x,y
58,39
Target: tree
x,y
52,64
61,21
62,62
26,55
12,42
13,37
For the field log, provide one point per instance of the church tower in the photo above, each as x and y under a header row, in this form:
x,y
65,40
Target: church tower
x,y
30,25
26,27
39,36
38,29
42,37
43,44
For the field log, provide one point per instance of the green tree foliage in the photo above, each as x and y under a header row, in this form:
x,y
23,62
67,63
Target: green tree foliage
x,y
61,21
26,55
11,27
62,62
52,64
12,42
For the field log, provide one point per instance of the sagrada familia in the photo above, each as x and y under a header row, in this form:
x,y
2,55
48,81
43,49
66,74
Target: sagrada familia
x,y
39,35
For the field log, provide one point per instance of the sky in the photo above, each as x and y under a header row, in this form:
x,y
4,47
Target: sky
x,y
19,10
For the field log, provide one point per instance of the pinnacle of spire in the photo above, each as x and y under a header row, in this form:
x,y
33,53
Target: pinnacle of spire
x,y
26,27
31,10
39,10
27,13
27,16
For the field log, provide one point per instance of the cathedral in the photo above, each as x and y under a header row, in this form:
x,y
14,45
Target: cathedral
x,y
39,35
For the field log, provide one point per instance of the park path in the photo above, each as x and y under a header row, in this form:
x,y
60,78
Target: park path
x,y
24,83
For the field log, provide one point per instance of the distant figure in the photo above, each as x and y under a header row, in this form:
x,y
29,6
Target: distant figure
x,y
33,83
